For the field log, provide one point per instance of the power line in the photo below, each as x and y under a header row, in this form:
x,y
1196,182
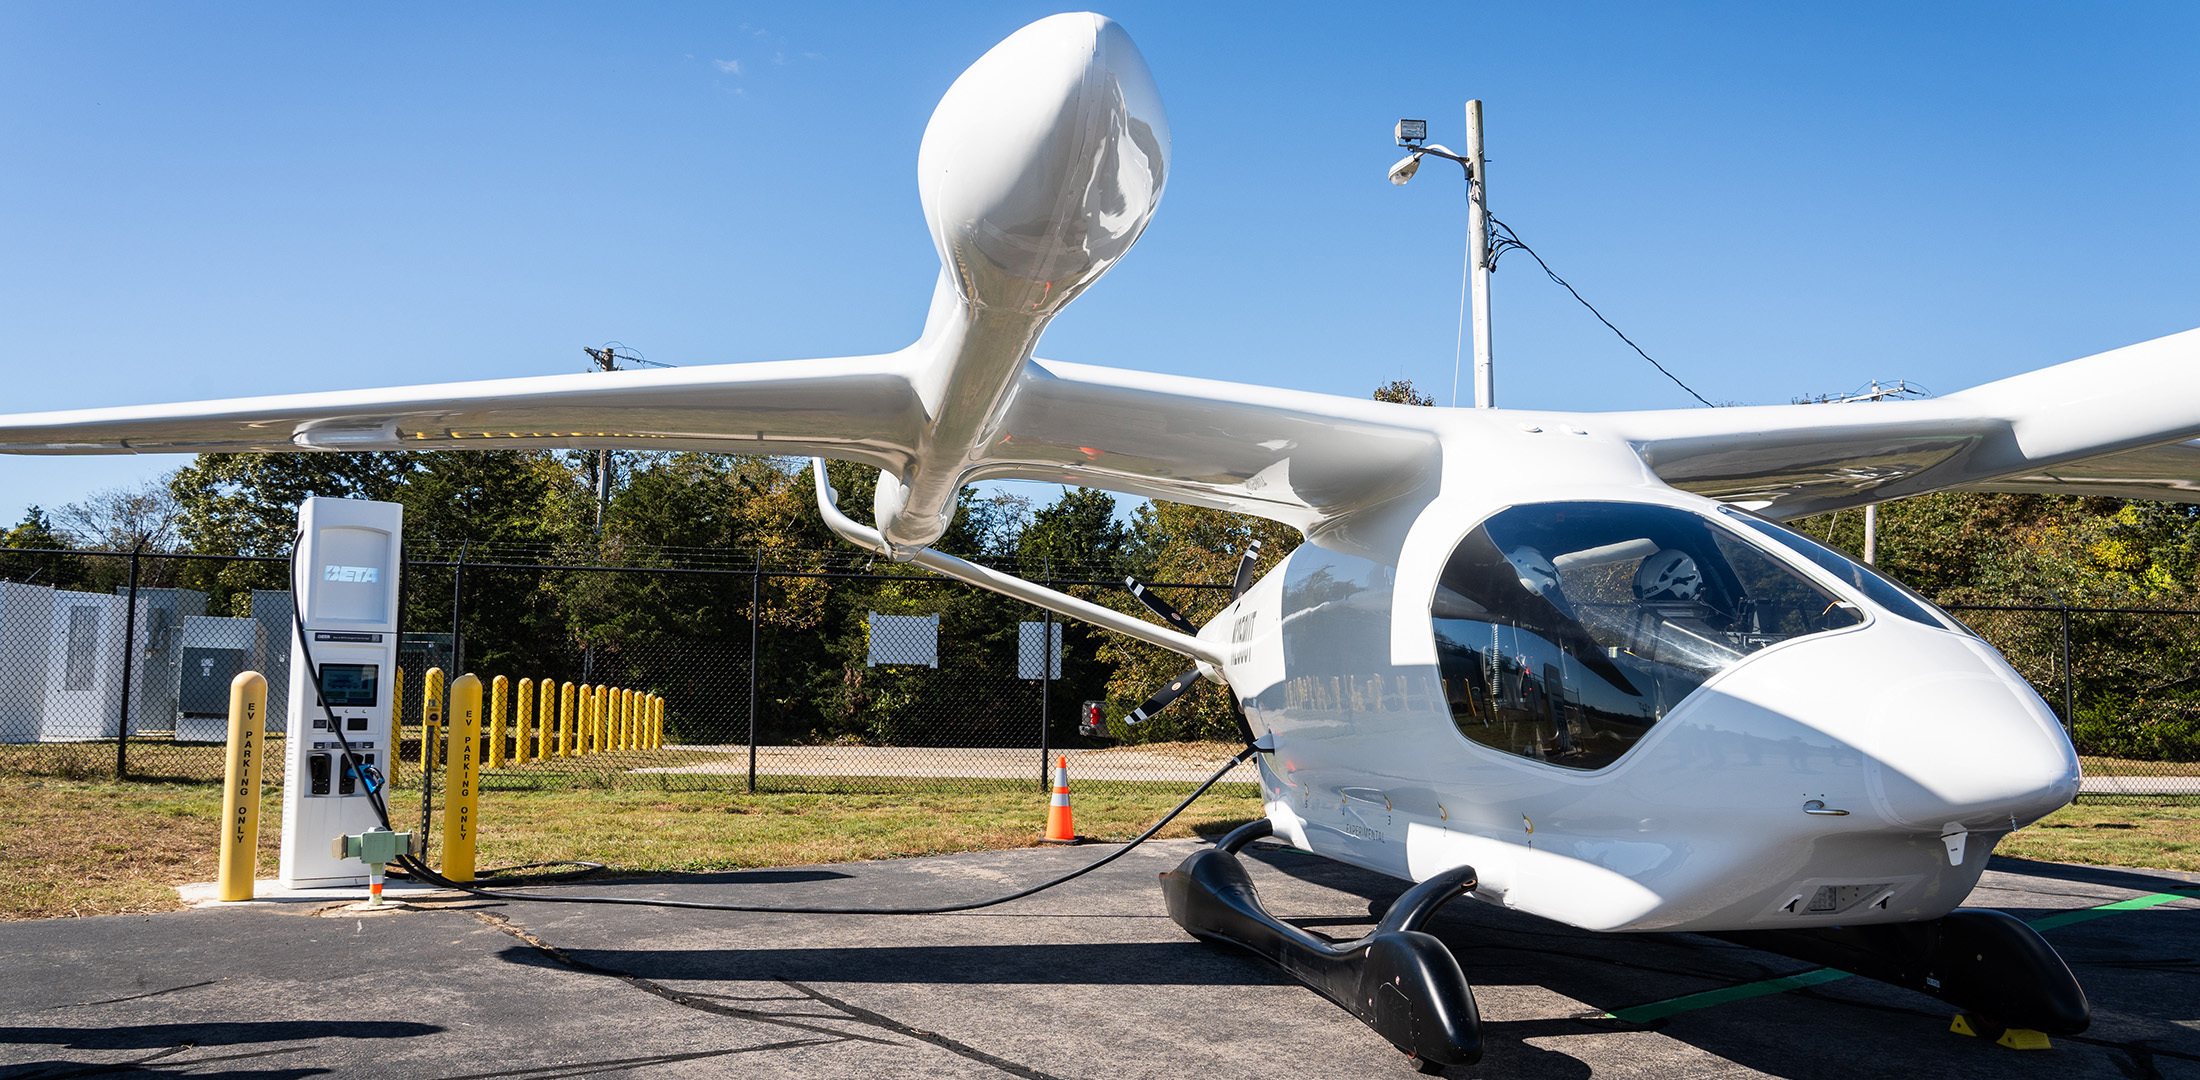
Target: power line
x,y
1502,239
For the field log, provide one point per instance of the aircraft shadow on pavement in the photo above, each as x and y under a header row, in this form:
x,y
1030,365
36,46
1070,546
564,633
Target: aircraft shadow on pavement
x,y
2136,969
1185,963
219,1033
195,1048
727,877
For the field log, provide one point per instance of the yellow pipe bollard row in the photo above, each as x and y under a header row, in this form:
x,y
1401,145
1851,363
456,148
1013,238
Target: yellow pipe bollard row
x,y
462,789
499,689
240,850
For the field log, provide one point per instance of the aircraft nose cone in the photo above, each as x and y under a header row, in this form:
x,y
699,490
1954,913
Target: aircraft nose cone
x,y
1043,163
1964,740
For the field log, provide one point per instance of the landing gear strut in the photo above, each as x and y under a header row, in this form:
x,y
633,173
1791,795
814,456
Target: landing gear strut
x,y
1397,980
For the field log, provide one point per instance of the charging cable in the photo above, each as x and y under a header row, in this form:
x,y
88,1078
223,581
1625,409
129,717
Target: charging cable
x,y
418,870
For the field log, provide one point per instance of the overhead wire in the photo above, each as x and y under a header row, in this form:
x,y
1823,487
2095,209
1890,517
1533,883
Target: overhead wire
x,y
1503,239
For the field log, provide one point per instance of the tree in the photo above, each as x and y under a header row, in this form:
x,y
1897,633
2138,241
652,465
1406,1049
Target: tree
x,y
1401,392
35,532
124,518
1076,535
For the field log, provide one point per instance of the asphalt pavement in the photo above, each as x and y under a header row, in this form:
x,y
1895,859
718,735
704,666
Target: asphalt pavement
x,y
1089,980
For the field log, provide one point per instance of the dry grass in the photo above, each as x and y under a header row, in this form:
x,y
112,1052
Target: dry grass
x,y
78,847
2164,836
72,847
98,848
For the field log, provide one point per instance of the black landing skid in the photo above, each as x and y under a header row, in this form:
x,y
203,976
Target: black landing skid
x,y
1409,988
1397,980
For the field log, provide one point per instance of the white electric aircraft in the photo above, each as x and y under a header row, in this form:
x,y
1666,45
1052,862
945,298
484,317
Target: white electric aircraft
x,y
1572,652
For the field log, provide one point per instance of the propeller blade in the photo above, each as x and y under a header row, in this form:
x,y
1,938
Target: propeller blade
x,y
1154,603
1162,697
1245,570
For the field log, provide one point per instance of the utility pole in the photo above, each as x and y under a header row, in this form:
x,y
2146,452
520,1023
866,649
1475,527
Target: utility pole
x,y
606,360
1478,260
1900,389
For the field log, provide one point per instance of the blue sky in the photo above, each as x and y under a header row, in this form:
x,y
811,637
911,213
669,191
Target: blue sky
x,y
204,200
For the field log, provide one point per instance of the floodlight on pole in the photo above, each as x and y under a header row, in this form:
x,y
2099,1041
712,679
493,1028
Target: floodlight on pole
x,y
1411,134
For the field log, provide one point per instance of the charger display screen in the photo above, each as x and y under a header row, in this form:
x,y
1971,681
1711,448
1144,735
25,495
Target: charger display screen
x,y
348,684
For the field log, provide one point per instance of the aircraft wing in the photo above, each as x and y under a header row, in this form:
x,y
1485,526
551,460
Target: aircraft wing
x,y
1296,457
856,408
2119,423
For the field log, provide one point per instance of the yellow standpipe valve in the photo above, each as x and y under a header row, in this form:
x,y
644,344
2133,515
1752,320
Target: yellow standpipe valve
x,y
241,785
462,790
499,690
396,753
565,721
523,719
431,724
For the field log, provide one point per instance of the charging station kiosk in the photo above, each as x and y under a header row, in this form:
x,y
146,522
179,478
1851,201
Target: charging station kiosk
x,y
345,581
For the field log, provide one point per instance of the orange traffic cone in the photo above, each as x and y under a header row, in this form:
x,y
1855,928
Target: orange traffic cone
x,y
1059,828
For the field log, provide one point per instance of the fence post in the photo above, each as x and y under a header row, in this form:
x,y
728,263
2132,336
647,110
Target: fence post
x,y
458,582
1046,670
129,662
2070,717
756,594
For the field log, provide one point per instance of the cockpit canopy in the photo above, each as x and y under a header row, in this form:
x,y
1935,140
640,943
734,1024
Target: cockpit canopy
x,y
1565,630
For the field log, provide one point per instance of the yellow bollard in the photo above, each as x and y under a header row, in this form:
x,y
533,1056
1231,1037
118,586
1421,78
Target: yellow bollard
x,y
603,717
625,706
462,792
615,705
396,754
656,722
523,720
587,737
241,785
565,721
594,694
499,688
431,723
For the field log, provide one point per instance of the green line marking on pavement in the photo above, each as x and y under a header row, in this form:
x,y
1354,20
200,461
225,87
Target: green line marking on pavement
x,y
2136,903
1642,1014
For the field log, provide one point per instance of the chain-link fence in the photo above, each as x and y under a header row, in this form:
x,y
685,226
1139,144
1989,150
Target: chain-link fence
x,y
2124,681
756,678
779,680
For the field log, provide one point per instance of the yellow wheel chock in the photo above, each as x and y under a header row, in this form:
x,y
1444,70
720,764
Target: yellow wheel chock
x,y
2013,1038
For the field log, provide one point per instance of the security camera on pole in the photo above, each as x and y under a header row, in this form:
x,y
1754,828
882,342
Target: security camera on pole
x,y
1413,135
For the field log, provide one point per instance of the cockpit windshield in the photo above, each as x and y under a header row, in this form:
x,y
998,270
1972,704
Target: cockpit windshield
x,y
1565,630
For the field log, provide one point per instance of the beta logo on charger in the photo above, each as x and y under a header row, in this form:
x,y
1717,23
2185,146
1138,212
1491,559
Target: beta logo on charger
x,y
361,574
